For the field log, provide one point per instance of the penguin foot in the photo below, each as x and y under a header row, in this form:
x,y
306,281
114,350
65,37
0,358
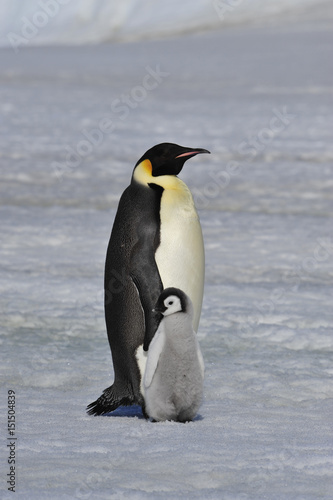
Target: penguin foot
x,y
109,401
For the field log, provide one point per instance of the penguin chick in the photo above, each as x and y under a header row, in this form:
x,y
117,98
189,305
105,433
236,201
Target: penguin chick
x,y
172,384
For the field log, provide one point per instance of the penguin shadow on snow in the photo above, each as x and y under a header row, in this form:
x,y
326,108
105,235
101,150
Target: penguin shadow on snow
x,y
127,411
136,411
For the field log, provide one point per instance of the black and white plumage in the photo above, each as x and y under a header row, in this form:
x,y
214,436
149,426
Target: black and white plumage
x,y
172,382
156,242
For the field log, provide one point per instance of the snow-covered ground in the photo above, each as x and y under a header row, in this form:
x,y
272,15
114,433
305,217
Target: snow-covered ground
x,y
74,122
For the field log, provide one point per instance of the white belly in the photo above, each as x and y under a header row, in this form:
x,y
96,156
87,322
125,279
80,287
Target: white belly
x,y
180,257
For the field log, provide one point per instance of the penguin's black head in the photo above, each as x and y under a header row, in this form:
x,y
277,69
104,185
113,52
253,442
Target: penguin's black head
x,y
168,159
172,300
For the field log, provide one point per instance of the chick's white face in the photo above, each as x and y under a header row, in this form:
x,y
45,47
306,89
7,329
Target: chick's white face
x,y
172,304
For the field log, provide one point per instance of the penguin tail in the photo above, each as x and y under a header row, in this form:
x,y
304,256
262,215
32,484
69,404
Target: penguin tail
x,y
109,401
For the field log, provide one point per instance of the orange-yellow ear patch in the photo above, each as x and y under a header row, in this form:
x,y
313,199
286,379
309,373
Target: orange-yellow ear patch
x,y
143,172
147,166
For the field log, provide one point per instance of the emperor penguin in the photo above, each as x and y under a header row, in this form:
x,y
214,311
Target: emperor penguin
x,y
156,242
172,383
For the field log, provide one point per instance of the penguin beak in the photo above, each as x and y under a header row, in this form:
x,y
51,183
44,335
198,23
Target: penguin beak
x,y
193,152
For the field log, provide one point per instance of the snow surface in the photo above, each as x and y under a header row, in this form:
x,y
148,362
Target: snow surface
x,y
265,199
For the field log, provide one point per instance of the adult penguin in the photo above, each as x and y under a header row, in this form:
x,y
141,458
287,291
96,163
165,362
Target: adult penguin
x,y
156,242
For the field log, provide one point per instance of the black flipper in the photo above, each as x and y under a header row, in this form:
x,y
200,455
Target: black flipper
x,y
144,271
149,293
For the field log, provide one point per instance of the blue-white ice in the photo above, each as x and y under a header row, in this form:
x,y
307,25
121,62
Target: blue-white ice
x,y
259,98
